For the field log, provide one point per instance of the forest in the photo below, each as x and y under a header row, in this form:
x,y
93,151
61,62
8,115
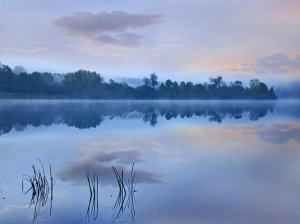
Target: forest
x,y
84,84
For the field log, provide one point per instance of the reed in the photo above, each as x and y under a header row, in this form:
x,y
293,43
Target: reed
x,y
40,187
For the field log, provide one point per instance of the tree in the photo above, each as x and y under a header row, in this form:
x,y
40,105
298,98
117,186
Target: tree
x,y
147,82
86,84
6,78
151,82
19,69
82,81
237,84
216,82
169,84
254,83
153,78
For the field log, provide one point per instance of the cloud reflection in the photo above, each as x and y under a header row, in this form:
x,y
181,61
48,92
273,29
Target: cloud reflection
x,y
101,164
279,133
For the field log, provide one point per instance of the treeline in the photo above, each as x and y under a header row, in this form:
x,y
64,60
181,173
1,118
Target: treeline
x,y
86,84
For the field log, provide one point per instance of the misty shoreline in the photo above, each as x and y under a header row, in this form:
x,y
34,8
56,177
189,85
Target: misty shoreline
x,y
83,84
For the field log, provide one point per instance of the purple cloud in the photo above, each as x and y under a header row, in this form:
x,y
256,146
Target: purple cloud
x,y
274,64
124,39
107,27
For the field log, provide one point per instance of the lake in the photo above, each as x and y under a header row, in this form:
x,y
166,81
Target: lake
x,y
208,162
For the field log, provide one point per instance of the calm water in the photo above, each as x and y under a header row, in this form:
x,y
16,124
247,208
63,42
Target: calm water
x,y
194,162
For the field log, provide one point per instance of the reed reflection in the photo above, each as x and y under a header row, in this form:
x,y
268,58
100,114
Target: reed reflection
x,y
126,198
93,208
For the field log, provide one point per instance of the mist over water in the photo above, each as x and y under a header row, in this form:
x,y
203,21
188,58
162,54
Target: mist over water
x,y
194,161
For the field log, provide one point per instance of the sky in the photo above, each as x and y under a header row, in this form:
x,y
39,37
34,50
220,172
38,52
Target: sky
x,y
181,40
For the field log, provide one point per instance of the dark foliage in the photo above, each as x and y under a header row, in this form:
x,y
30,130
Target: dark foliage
x,y
86,84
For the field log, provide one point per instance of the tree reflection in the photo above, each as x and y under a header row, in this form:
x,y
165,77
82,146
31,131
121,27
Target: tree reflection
x,y
85,115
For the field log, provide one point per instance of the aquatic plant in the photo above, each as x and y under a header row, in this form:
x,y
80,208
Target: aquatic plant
x,y
40,187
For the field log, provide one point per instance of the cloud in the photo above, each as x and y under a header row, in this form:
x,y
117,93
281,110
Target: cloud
x,y
125,39
274,64
107,27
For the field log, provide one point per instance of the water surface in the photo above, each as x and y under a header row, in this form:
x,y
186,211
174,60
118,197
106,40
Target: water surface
x,y
195,161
